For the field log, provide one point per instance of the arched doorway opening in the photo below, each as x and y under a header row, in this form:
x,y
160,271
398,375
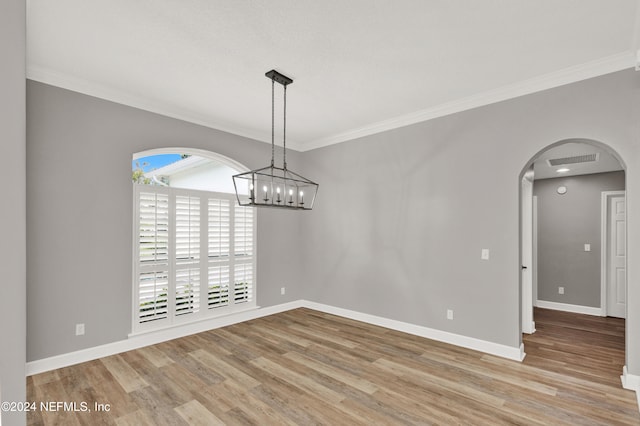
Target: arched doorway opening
x,y
573,232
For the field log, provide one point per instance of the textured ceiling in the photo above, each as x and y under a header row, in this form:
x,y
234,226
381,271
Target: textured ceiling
x,y
359,66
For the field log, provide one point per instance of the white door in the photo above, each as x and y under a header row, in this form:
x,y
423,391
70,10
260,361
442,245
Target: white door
x,y
616,257
528,325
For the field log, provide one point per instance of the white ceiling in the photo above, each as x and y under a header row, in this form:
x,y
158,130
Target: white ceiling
x,y
359,66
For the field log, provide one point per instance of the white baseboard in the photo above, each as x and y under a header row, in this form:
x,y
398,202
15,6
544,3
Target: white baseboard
x,y
631,382
578,309
533,328
136,341
430,333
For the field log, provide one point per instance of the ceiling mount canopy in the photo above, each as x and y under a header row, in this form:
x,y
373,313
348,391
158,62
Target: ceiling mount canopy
x,y
273,186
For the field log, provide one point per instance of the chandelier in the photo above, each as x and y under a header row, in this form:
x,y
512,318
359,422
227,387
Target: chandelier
x,y
273,186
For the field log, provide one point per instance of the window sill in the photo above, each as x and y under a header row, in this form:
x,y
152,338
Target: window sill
x,y
196,326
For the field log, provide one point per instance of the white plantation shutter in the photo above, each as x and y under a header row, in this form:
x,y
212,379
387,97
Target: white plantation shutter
x,y
187,254
219,228
153,256
219,248
187,233
153,225
195,256
243,239
243,255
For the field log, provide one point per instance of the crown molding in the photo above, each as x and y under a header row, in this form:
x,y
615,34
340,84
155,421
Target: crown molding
x,y
562,77
565,76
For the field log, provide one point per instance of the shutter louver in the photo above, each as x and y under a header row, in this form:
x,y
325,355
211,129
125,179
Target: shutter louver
x,y
243,231
243,287
187,291
187,229
218,293
219,212
152,295
153,228
243,255
219,247
187,254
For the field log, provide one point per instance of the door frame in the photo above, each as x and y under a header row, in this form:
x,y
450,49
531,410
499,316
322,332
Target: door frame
x,y
604,245
534,239
527,324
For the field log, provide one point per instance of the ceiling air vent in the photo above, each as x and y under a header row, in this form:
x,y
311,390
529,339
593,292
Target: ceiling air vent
x,y
587,158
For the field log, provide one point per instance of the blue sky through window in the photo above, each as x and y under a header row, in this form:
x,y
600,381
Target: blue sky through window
x,y
153,162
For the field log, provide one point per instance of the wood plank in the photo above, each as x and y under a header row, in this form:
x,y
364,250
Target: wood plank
x,y
224,369
335,373
126,376
196,414
137,418
298,380
155,356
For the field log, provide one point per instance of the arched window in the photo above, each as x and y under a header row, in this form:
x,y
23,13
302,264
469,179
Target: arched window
x,y
194,247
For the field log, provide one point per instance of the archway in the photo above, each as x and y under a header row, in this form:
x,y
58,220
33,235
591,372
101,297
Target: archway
x,y
569,160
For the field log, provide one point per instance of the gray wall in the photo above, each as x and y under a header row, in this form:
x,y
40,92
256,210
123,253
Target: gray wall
x,y
79,216
400,221
12,213
402,216
565,223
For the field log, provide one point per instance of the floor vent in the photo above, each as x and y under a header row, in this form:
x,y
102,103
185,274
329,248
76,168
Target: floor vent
x,y
587,158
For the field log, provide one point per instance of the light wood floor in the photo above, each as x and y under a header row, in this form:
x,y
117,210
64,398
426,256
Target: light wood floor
x,y
582,346
306,367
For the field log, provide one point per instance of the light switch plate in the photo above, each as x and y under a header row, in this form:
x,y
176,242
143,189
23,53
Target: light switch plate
x,y
587,247
485,254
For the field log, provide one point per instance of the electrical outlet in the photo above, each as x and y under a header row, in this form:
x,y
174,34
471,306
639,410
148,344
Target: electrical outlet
x,y
282,290
79,329
449,314
560,290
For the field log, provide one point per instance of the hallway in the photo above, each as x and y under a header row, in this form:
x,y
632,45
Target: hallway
x,y
583,346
